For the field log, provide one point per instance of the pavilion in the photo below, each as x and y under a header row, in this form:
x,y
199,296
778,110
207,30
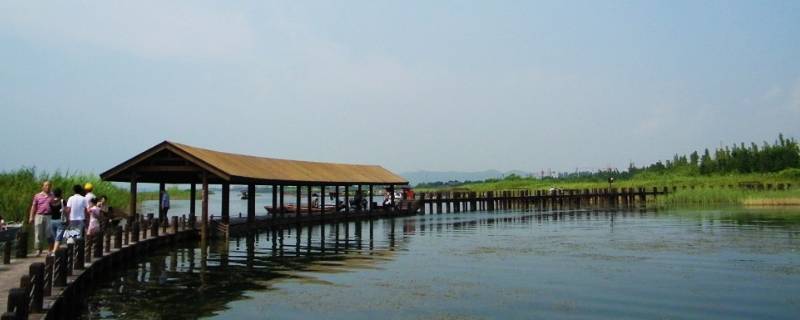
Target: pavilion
x,y
175,163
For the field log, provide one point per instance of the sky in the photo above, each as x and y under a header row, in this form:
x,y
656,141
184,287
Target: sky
x,y
409,85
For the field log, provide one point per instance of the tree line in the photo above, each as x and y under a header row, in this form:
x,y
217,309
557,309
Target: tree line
x,y
782,154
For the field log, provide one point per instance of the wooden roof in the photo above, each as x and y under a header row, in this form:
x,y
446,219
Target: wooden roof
x,y
172,162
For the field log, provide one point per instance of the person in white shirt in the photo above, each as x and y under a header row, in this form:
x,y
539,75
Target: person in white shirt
x,y
76,212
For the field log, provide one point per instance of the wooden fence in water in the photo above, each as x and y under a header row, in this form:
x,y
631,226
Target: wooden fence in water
x,y
556,199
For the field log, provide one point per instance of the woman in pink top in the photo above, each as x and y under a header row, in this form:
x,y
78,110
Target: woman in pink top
x,y
94,216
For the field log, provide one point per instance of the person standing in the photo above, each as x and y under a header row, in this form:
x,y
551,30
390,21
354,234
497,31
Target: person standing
x,y
94,218
57,204
77,211
88,194
165,205
40,217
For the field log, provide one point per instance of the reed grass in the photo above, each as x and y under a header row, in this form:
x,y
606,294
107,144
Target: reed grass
x,y
18,187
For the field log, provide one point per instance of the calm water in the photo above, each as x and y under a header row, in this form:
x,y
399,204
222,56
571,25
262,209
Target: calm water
x,y
719,264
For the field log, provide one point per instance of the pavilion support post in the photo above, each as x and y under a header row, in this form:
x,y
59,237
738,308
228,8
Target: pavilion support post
x,y
192,200
282,206
391,191
298,193
204,208
162,215
274,199
226,203
360,198
308,200
322,197
346,200
132,204
336,201
251,203
369,202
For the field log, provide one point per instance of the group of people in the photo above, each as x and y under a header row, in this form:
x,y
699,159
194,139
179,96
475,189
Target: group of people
x,y
55,218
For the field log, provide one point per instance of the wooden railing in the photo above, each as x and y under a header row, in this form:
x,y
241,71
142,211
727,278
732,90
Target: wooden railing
x,y
51,276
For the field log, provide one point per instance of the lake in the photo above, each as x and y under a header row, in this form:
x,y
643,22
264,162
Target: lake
x,y
665,264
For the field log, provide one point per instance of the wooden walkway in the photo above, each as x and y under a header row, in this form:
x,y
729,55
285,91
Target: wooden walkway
x,y
10,275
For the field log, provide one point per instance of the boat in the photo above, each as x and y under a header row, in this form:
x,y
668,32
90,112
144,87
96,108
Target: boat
x,y
290,208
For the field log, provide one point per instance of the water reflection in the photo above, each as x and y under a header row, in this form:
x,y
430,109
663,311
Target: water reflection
x,y
575,263
198,279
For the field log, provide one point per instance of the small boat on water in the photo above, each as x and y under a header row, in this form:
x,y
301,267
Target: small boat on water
x,y
290,208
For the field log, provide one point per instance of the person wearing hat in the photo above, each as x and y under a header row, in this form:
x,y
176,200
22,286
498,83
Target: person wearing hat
x,y
88,187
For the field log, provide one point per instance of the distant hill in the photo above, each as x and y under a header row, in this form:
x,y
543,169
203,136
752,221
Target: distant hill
x,y
423,176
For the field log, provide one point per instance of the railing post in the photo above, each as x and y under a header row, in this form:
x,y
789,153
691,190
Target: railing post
x,y
80,254
174,224
118,237
7,252
154,227
70,253
98,244
24,303
145,226
107,244
126,234
135,232
17,301
87,251
60,270
48,276
36,271
22,244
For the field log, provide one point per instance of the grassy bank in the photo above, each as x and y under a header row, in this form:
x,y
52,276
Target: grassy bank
x,y
175,193
18,187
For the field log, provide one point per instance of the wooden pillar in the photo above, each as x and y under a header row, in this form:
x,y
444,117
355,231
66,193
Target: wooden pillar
x,y
204,208
274,199
251,203
369,199
391,189
308,200
192,200
280,198
322,196
132,204
226,200
298,193
346,200
162,187
336,201
361,194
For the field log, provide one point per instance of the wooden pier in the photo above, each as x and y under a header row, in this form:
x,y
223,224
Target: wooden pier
x,y
51,287
467,201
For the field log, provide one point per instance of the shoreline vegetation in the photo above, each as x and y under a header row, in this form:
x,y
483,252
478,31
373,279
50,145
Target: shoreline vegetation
x,y
18,187
748,175
766,175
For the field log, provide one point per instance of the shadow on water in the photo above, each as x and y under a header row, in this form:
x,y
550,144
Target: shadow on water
x,y
195,280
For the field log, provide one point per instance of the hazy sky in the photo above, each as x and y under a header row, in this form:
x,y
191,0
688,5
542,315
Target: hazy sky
x,y
438,85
